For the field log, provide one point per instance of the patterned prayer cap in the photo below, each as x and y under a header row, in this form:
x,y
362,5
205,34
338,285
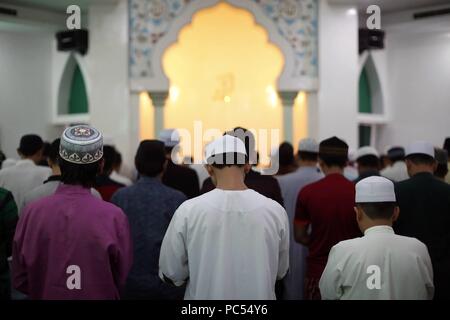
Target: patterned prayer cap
x,y
81,144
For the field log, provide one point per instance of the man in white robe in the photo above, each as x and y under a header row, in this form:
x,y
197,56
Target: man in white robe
x,y
231,243
381,265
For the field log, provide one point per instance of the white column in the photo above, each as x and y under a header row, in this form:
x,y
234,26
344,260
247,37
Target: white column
x,y
313,116
338,72
159,100
106,64
287,100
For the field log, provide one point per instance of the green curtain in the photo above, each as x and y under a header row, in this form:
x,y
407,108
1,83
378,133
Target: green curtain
x,y
78,102
365,96
365,133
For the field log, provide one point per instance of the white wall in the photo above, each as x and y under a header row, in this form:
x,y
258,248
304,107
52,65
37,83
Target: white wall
x,y
25,94
336,108
419,87
106,67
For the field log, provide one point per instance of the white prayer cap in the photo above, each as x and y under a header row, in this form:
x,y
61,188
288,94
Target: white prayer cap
x,y
420,147
375,189
170,137
308,145
225,145
352,156
366,151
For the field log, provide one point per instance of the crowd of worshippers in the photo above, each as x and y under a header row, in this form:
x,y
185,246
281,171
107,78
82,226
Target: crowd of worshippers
x,y
332,224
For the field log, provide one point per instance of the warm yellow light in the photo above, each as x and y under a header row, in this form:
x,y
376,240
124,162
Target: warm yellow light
x,y
301,98
224,57
300,117
174,93
272,96
146,117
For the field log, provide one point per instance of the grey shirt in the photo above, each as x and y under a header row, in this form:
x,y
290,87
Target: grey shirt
x,y
291,185
48,188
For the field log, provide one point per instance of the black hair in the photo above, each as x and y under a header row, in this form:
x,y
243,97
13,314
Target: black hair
x,y
248,138
370,161
447,145
286,154
53,151
118,159
220,161
109,154
169,150
150,158
378,210
396,154
30,144
2,158
307,156
79,174
421,159
441,170
334,161
334,152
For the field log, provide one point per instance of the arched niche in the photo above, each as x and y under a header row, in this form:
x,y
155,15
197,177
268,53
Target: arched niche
x,y
287,36
371,96
73,98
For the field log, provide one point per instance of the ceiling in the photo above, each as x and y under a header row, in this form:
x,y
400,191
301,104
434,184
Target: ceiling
x,y
386,6
389,6
54,5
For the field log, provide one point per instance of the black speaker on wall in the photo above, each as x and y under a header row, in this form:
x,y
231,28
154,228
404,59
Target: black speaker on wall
x,y
371,39
73,40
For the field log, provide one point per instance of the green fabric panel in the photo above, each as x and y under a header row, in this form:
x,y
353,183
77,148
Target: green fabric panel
x,y
365,133
365,97
78,102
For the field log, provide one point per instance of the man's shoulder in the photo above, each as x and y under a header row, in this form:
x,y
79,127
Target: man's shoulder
x,y
171,193
39,192
349,245
7,171
410,243
312,187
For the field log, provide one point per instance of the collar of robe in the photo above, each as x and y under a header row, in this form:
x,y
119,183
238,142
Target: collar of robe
x,y
379,229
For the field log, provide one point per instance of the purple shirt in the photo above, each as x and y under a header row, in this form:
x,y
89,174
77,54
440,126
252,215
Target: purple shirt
x,y
71,228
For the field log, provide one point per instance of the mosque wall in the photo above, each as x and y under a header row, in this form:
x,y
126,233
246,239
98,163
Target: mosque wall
x,y
418,80
25,80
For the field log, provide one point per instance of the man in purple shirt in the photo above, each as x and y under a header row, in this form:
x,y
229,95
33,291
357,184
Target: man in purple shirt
x,y
72,245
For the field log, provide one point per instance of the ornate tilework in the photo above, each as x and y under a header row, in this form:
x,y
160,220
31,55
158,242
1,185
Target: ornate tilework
x,y
295,20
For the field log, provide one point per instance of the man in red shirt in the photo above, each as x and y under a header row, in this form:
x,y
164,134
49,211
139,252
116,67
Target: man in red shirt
x,y
327,206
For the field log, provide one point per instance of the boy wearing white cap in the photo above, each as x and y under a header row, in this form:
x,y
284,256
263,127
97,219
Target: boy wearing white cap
x,y
381,265
425,204
230,243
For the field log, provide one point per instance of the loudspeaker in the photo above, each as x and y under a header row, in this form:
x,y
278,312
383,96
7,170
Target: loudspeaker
x,y
371,39
73,40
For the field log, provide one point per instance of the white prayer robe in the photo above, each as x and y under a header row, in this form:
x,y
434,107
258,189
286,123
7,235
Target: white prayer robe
x,y
228,245
397,172
404,263
23,177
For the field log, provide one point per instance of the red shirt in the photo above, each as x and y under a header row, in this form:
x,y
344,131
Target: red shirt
x,y
328,205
